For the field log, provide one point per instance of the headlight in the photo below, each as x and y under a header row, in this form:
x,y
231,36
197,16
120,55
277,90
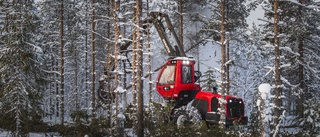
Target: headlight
x,y
186,62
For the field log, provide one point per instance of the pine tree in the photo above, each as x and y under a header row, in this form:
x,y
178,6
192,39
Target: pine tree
x,y
277,71
139,69
181,22
116,41
223,63
61,34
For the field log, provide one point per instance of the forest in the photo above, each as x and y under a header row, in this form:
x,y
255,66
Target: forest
x,y
90,67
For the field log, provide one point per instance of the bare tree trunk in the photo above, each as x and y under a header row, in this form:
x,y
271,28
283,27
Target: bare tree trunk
x,y
116,60
52,85
149,58
109,64
300,69
124,78
134,63
261,120
181,23
57,90
61,65
93,97
138,70
76,82
227,56
86,60
278,83
134,60
227,68
223,64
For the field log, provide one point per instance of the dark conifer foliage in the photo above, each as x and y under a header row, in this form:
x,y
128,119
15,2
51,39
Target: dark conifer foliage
x,y
22,73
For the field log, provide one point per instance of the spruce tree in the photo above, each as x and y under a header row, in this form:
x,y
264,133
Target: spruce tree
x,y
21,63
208,80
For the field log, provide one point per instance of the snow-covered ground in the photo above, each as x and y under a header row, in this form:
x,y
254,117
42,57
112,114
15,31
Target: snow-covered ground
x,y
8,134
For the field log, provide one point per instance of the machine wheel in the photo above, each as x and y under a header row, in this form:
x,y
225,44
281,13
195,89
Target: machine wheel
x,y
181,120
187,115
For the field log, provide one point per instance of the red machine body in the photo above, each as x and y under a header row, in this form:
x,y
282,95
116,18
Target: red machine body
x,y
176,84
208,105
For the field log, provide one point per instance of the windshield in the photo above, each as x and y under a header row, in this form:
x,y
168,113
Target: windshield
x,y
167,76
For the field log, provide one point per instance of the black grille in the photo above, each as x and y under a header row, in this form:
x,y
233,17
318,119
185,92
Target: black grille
x,y
235,107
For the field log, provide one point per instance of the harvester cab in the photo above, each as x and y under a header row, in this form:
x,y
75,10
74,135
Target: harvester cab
x,y
176,81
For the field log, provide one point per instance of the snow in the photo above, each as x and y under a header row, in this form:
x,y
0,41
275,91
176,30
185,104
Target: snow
x,y
121,116
120,89
264,89
184,58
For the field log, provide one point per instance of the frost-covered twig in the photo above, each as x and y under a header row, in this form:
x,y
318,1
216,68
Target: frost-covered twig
x,y
278,125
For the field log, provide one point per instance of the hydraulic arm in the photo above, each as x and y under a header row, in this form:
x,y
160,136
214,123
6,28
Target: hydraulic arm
x,y
157,18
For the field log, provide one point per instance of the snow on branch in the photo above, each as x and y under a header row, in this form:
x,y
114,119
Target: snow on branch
x,y
228,62
218,70
264,20
103,37
313,71
287,82
271,69
278,124
52,72
301,4
35,47
315,55
211,30
285,65
289,50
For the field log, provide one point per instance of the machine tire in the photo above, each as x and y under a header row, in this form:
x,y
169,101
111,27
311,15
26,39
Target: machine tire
x,y
181,120
187,115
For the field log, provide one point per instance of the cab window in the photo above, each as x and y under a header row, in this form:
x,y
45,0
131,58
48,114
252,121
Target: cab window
x,y
186,74
167,76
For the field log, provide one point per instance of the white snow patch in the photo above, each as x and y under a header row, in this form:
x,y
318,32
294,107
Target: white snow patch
x,y
264,89
119,90
121,116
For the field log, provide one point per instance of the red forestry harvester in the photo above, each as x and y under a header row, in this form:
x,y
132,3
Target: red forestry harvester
x,y
176,83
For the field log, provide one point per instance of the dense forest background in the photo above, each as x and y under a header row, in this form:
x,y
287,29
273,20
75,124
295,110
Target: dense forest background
x,y
88,67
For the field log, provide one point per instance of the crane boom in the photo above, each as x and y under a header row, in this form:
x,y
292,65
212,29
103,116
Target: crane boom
x,y
157,18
